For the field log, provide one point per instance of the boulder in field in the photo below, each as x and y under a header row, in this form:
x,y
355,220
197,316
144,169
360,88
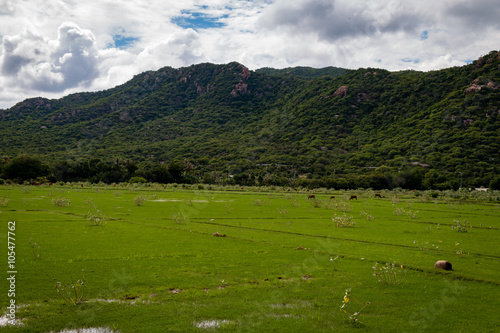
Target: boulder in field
x,y
443,264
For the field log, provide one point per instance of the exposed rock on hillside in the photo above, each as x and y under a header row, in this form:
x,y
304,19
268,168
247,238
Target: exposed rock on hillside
x,y
342,91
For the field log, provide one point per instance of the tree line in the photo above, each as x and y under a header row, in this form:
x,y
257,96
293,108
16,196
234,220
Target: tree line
x,y
29,169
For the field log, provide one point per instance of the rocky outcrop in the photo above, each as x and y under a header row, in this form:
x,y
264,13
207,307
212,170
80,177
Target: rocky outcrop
x,y
477,85
240,89
342,91
245,72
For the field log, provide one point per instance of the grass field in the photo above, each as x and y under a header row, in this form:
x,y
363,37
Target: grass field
x,y
173,258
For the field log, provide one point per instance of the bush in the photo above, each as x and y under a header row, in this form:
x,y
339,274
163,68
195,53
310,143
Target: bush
x,y
134,180
495,183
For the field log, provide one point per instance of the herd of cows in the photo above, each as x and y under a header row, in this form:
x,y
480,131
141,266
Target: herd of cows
x,y
377,195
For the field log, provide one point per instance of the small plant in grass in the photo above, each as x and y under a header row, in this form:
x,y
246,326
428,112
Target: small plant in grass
x,y
343,206
178,218
390,274
366,215
350,317
316,203
398,211
95,217
412,215
35,249
343,221
4,202
283,211
139,200
228,208
257,202
73,293
61,202
334,262
461,226
460,252
88,201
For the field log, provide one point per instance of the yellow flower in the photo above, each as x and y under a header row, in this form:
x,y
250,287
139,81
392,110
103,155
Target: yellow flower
x,y
346,299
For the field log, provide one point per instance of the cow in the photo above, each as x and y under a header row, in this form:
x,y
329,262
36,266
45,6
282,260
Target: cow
x,y
353,197
332,197
312,196
377,195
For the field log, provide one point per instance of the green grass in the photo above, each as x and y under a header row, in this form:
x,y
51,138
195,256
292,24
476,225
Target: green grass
x,y
157,266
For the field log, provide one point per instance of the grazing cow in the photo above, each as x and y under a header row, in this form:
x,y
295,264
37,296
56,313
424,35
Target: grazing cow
x,y
332,197
377,195
443,264
353,197
312,196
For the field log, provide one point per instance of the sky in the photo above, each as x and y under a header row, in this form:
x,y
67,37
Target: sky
x,y
52,48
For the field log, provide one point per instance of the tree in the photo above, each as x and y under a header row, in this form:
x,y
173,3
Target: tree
x,y
495,183
25,167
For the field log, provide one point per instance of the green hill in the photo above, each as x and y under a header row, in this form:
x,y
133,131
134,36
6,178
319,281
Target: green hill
x,y
303,127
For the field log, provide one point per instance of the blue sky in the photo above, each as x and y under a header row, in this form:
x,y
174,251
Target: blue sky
x,y
58,47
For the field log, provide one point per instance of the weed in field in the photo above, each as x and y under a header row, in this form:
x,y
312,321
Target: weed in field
x,y
73,293
398,211
412,215
178,218
316,203
35,249
257,202
461,251
390,274
228,208
139,200
343,206
368,216
342,221
95,217
349,316
427,246
461,226
88,201
61,202
283,211
334,262
4,202
188,201
294,203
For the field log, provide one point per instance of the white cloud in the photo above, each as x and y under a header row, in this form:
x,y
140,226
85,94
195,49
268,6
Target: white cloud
x,y
40,54
34,62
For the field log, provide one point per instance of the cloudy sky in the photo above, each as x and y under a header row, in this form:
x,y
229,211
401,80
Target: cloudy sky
x,y
52,48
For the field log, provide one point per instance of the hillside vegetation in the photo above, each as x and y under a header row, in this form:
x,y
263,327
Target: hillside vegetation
x,y
295,127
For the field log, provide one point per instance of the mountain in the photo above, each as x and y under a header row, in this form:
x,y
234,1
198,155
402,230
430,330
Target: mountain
x,y
312,127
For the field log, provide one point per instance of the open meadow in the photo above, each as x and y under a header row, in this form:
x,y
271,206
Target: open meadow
x,y
155,258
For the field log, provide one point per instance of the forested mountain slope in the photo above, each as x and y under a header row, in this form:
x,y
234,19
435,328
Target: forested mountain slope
x,y
224,123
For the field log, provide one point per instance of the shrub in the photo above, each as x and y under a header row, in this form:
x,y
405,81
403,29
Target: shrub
x,y
349,316
178,218
95,217
342,221
390,274
135,180
461,226
139,200
61,202
73,293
